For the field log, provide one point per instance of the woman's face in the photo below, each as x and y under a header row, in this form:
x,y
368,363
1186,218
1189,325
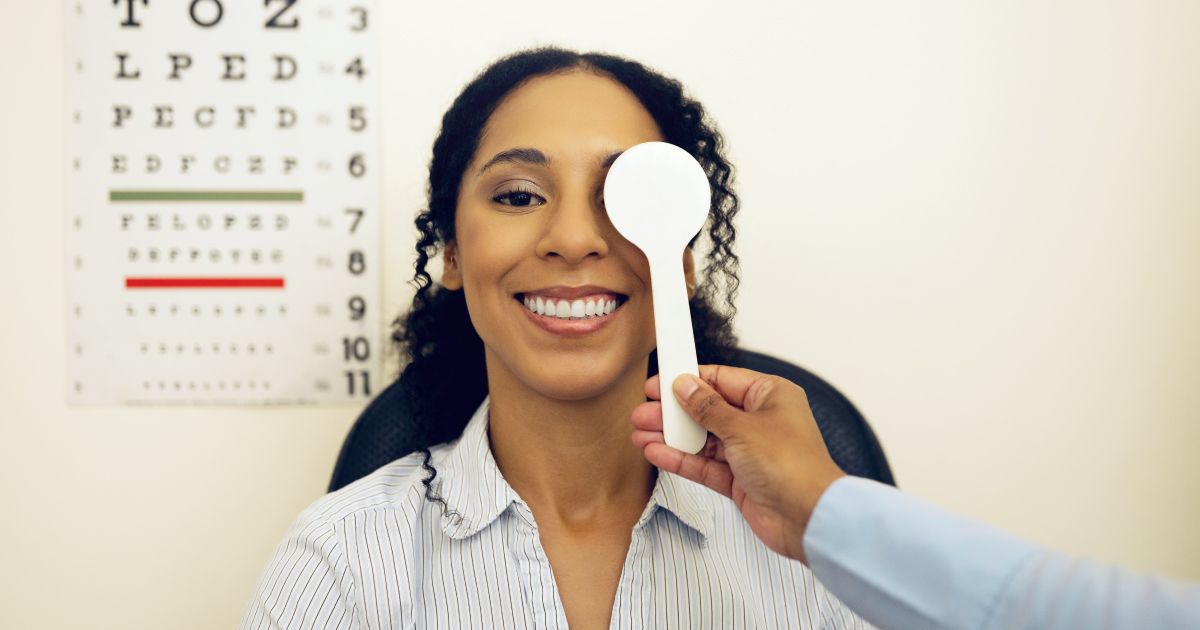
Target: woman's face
x,y
535,253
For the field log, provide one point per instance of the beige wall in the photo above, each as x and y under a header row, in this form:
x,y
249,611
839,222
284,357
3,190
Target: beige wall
x,y
982,223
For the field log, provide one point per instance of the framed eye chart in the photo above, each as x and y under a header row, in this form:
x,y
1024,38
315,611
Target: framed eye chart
x,y
222,201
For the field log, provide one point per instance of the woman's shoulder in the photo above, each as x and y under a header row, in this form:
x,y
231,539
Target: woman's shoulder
x,y
395,486
323,550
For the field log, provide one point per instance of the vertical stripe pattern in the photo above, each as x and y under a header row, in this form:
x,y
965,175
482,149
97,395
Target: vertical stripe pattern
x,y
376,554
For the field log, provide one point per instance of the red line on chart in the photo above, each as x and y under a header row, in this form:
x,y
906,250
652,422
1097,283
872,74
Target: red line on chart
x,y
203,283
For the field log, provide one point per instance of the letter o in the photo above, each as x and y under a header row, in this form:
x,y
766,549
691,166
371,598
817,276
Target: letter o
x,y
215,19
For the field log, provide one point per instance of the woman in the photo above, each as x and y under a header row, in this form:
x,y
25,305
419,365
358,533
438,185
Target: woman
x,y
535,509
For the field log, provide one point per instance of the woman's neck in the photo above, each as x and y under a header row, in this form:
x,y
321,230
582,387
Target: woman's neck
x,y
571,461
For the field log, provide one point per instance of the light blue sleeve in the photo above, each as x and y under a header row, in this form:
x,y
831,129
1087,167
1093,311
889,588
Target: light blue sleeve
x,y
900,562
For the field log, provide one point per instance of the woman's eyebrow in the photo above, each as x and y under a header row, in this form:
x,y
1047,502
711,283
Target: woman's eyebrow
x,y
533,156
519,154
610,158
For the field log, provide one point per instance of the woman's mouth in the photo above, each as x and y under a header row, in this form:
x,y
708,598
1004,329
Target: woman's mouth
x,y
571,316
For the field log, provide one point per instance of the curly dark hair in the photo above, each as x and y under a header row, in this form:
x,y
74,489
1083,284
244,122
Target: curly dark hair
x,y
436,335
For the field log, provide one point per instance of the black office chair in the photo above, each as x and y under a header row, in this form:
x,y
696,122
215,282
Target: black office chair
x,y
381,434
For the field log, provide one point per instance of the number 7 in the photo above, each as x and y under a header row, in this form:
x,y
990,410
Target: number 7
x,y
358,215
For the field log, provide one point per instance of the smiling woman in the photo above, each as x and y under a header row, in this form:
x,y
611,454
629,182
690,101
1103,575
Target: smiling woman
x,y
471,171
531,507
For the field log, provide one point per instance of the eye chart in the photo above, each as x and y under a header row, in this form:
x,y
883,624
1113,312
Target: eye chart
x,y
222,201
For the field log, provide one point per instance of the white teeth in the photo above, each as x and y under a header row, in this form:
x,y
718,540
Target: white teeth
x,y
570,309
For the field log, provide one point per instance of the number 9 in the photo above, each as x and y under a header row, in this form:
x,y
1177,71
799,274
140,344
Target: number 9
x,y
358,308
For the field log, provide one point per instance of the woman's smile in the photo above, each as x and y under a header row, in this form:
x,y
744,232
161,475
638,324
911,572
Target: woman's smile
x,y
571,312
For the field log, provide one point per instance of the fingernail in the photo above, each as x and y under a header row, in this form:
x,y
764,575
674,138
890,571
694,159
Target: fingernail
x,y
686,385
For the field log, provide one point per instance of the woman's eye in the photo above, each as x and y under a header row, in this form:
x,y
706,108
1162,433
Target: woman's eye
x,y
519,198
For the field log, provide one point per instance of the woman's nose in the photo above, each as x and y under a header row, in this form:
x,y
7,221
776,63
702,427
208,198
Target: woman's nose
x,y
576,229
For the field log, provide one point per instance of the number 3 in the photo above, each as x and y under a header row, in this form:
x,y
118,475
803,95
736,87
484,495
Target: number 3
x,y
362,19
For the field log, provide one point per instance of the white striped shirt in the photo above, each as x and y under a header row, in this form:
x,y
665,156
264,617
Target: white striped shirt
x,y
378,554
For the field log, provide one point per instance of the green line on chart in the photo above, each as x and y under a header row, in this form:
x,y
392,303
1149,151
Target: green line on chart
x,y
206,195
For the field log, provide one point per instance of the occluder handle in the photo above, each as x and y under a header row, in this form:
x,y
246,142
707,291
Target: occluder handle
x,y
676,350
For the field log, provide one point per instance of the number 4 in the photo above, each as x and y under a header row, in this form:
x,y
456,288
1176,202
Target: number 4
x,y
356,68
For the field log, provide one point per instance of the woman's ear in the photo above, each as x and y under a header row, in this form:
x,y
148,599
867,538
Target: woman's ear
x,y
689,272
451,272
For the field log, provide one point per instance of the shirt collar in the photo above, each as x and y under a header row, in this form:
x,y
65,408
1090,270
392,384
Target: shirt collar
x,y
476,493
684,500
471,484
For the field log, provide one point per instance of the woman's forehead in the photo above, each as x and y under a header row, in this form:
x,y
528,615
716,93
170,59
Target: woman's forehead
x,y
568,116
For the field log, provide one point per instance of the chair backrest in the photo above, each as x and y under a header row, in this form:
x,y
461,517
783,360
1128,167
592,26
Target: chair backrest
x,y
382,433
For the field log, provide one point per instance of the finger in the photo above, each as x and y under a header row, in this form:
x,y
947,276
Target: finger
x,y
713,448
652,388
708,472
643,438
732,383
708,408
647,416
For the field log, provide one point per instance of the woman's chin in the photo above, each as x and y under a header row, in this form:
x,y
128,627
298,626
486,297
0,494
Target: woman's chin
x,y
571,390
577,385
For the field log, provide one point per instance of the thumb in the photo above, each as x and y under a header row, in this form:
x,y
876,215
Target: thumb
x,y
705,405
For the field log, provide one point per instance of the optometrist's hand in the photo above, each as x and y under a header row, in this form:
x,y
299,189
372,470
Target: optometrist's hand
x,y
764,449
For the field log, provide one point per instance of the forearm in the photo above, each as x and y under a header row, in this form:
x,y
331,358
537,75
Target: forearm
x,y
1055,590
897,560
901,562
